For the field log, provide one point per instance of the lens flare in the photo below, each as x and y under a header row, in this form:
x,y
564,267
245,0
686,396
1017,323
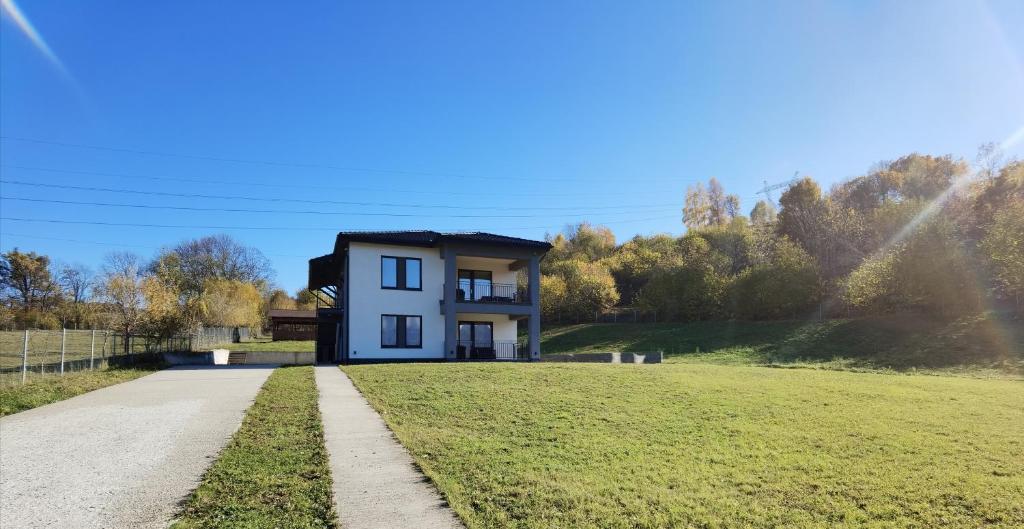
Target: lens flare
x,y
11,10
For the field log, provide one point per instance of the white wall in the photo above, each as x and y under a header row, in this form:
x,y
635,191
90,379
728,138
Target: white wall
x,y
498,267
368,301
505,330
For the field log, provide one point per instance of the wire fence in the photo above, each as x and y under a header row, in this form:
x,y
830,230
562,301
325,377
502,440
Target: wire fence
x,y
29,354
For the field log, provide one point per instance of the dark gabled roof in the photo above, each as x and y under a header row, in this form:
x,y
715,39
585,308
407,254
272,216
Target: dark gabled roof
x,y
433,238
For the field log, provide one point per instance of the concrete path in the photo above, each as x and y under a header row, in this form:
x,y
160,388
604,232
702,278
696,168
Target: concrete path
x,y
121,456
375,482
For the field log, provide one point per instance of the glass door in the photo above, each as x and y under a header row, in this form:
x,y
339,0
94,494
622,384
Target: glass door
x,y
474,285
476,340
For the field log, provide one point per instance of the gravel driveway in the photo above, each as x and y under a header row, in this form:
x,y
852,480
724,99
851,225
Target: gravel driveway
x,y
121,456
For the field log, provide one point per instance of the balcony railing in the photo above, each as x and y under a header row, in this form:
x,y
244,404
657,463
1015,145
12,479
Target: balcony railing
x,y
479,292
496,350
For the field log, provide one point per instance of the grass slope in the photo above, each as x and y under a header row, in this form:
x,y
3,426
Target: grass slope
x,y
989,345
38,391
700,445
274,473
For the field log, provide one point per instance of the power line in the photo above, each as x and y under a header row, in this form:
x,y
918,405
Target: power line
x,y
119,245
263,199
270,228
286,211
249,198
305,165
339,202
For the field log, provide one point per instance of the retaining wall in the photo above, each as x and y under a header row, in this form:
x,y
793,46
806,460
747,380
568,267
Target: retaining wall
x,y
654,357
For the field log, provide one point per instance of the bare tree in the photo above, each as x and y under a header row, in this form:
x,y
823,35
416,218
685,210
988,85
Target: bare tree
x,y
76,280
190,264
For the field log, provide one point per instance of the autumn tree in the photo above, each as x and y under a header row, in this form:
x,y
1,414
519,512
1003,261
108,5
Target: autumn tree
x,y
279,299
121,286
1004,246
589,288
710,206
306,299
232,303
763,213
689,287
27,277
583,241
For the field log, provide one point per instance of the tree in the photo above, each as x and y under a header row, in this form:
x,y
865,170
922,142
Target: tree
x,y
763,213
279,299
553,294
733,242
583,241
697,207
710,206
722,207
76,281
305,299
232,303
28,277
190,264
689,287
589,288
634,262
783,287
1004,246
121,286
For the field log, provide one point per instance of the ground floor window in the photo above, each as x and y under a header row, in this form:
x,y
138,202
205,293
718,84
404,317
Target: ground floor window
x,y
401,331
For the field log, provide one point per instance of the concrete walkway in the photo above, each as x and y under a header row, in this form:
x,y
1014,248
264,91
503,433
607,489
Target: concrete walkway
x,y
376,484
121,456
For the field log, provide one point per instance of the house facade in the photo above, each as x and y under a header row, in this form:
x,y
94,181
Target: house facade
x,y
425,295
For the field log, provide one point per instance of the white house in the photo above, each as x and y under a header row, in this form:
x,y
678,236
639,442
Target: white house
x,y
424,295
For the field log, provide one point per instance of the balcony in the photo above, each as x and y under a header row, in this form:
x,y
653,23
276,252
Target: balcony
x,y
488,292
508,351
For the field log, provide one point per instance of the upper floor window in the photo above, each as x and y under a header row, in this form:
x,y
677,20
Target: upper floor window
x,y
402,273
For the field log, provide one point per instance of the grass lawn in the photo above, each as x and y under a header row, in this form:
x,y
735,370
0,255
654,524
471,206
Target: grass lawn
x,y
37,391
978,346
702,445
274,472
284,346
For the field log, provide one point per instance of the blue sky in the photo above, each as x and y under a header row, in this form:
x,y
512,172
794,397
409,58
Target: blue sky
x,y
515,118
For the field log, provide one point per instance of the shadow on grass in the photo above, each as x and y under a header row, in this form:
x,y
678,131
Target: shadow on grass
x,y
900,342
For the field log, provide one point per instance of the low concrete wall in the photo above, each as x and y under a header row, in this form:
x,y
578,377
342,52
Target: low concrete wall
x,y
220,357
189,359
606,358
272,357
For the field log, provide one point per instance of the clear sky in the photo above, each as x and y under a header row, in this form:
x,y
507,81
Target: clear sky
x,y
515,118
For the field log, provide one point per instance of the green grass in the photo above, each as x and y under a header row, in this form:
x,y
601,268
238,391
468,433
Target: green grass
x,y
701,445
274,472
38,391
985,346
283,346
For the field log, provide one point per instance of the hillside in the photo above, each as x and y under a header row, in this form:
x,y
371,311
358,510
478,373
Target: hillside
x,y
984,345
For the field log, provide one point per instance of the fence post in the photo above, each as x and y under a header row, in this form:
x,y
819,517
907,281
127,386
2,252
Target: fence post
x,y
63,340
24,358
92,349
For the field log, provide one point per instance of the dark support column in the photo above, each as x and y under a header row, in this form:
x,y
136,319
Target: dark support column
x,y
533,323
450,319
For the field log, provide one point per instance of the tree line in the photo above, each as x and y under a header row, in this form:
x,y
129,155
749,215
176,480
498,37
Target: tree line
x,y
209,281
929,234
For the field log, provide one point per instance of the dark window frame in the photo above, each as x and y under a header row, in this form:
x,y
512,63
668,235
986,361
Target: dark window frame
x,y
400,272
471,294
401,341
